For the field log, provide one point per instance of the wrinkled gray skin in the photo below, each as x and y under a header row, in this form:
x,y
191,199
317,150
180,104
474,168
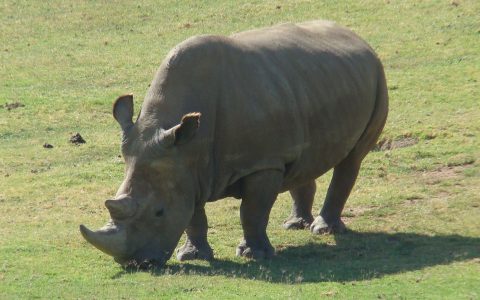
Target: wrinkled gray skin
x,y
278,106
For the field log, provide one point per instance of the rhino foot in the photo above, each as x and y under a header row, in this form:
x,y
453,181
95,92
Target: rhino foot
x,y
294,222
190,252
265,251
320,226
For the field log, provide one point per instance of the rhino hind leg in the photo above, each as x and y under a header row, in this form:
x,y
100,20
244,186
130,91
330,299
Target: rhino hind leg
x,y
259,192
196,245
346,172
343,180
301,215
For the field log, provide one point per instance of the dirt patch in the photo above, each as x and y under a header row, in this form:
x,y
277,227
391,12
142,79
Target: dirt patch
x,y
413,199
77,139
387,144
440,198
443,173
352,212
13,105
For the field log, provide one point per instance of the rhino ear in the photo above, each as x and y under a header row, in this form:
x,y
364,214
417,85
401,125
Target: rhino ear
x,y
187,129
123,111
183,132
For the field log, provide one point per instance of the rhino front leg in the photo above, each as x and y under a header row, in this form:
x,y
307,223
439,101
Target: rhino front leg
x,y
344,177
259,192
196,246
301,216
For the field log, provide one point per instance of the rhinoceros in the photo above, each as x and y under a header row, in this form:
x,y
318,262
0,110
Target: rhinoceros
x,y
248,116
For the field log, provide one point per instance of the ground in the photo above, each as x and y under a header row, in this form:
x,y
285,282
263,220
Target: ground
x,y
413,215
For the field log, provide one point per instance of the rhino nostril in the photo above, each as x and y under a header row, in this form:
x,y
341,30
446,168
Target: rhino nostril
x,y
159,213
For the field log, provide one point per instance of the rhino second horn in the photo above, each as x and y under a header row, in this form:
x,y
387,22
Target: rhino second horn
x,y
109,239
121,209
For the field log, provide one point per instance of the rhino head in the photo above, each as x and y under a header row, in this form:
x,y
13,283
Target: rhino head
x,y
156,200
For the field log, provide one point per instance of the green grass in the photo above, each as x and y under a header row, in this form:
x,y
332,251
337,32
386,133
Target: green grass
x,y
413,215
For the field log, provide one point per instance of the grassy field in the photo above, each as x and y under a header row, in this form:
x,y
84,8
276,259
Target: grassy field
x,y
414,214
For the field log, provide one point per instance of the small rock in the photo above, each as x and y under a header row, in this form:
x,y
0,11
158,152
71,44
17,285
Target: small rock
x,y
77,139
47,146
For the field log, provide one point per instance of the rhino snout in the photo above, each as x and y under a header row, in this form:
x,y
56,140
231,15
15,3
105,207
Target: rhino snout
x,y
112,240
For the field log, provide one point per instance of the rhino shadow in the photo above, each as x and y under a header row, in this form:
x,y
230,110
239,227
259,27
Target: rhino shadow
x,y
355,256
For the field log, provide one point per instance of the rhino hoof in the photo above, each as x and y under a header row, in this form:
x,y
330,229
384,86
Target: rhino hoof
x,y
319,226
190,252
249,252
297,222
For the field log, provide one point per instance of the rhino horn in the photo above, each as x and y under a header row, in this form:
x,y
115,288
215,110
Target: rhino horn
x,y
109,239
121,208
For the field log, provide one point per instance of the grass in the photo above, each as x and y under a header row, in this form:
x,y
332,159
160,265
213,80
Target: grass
x,y
413,215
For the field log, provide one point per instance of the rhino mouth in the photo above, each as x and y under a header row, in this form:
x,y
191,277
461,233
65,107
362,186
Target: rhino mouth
x,y
141,264
149,257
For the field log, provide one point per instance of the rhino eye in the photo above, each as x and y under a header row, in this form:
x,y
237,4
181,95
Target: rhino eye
x,y
159,213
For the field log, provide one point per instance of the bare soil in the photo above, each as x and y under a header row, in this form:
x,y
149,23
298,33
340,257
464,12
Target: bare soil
x,y
387,144
442,174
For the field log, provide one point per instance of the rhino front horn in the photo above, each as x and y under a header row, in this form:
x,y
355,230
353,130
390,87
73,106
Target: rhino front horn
x,y
109,239
121,208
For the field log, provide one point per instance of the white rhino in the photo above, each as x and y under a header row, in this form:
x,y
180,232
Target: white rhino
x,y
247,116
